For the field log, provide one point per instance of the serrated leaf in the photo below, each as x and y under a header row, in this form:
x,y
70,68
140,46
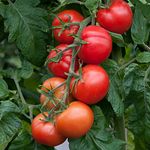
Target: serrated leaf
x,y
140,28
118,39
26,26
9,126
92,5
115,96
98,138
137,85
143,57
8,107
26,70
3,89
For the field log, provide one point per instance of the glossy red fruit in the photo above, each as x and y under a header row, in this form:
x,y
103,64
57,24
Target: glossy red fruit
x,y
67,16
98,47
45,132
92,87
117,18
62,66
75,121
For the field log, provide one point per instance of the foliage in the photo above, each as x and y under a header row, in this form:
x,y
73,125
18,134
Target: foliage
x,y
23,49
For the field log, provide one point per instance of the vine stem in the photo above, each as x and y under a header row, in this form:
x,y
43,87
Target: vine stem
x,y
30,107
19,91
74,53
146,47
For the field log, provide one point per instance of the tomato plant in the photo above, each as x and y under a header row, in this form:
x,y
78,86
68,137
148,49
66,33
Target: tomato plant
x,y
75,121
93,85
85,64
98,47
63,34
61,67
117,18
45,132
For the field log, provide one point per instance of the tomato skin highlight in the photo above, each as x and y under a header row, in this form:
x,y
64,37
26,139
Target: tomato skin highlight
x,y
93,86
60,68
117,18
45,132
98,47
75,121
50,84
71,16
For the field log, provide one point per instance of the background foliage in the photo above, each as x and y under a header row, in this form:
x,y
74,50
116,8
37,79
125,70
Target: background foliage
x,y
124,115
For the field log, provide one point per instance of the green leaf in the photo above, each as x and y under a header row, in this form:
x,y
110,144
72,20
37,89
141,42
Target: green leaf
x,y
3,89
92,5
143,57
137,90
140,29
118,39
115,96
26,26
9,126
8,107
98,138
26,70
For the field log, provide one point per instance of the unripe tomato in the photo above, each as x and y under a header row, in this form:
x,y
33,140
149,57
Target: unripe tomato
x,y
45,132
93,85
58,94
117,18
75,121
60,68
67,16
98,47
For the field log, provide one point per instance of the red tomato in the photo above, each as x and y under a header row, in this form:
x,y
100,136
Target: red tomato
x,y
117,18
60,68
50,84
67,16
93,86
98,47
45,132
75,121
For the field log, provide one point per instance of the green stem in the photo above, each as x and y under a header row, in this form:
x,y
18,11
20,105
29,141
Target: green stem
x,y
146,47
72,66
120,129
19,90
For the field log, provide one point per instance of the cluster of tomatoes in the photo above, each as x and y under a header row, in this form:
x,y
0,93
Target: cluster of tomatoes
x,y
89,84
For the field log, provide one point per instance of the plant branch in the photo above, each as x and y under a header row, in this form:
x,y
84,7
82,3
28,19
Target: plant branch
x,y
146,47
19,90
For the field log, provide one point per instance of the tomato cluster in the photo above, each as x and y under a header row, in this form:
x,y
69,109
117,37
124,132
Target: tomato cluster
x,y
74,87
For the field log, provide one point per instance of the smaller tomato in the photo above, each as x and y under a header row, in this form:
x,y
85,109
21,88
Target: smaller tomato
x,y
58,94
67,16
62,66
75,121
117,18
45,132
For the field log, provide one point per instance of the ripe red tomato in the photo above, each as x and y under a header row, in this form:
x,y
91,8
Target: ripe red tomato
x,y
98,47
93,86
45,132
117,18
75,121
67,16
50,84
60,68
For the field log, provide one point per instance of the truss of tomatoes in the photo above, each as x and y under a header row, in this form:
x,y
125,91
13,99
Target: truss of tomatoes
x,y
93,85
